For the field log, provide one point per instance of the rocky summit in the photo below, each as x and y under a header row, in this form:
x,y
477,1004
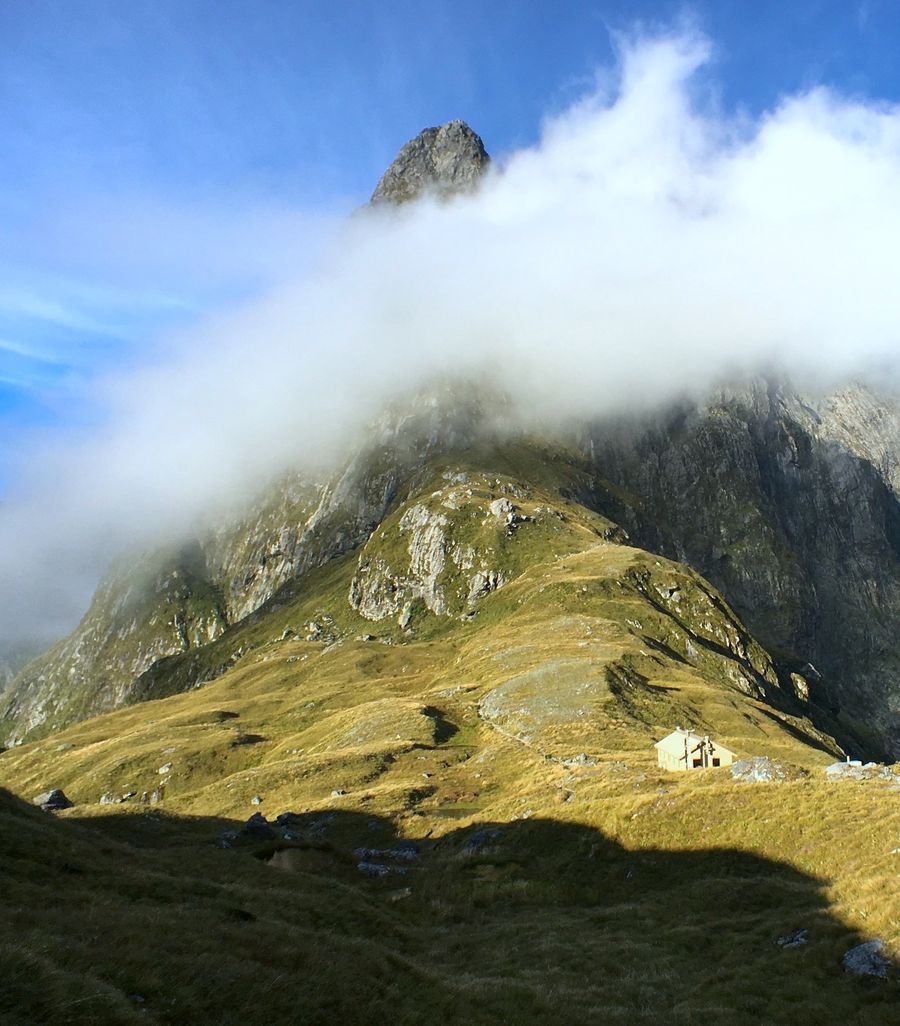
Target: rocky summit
x,y
439,161
382,745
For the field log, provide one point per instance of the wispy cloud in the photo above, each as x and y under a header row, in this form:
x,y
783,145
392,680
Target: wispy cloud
x,y
644,249
28,351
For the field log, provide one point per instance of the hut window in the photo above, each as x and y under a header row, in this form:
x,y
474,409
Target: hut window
x,y
716,761
697,762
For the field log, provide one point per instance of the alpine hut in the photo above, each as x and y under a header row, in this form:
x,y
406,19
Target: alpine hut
x,y
685,750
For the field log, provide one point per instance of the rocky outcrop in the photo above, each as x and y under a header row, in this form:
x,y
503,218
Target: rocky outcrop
x,y
435,571
439,161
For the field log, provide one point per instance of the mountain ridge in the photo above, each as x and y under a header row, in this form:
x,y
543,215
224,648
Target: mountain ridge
x,y
787,503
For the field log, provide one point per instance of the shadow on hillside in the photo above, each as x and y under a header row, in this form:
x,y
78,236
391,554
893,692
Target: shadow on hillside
x,y
803,736
524,921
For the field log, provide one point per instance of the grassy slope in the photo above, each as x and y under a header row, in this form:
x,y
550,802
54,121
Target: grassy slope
x,y
612,891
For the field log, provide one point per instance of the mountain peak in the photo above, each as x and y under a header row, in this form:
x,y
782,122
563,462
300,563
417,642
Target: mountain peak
x,y
443,160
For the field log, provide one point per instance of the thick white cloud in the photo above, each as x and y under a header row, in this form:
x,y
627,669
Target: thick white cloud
x,y
646,248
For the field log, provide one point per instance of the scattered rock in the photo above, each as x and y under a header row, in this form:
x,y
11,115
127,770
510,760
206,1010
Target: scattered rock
x,y
53,800
793,940
287,819
65,746
165,769
256,800
403,851
405,616
373,869
407,850
503,510
758,770
508,514
404,892
582,759
338,792
867,960
110,799
855,770
157,794
128,795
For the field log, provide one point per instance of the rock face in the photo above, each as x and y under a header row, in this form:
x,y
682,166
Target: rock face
x,y
441,161
155,606
788,504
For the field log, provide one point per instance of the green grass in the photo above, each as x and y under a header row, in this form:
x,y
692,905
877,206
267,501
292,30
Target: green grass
x,y
668,915
607,890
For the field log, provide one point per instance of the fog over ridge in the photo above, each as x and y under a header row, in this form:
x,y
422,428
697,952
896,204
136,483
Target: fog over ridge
x,y
645,249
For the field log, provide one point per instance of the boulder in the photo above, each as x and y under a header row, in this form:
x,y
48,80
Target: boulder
x,y
288,819
758,770
867,960
52,801
257,827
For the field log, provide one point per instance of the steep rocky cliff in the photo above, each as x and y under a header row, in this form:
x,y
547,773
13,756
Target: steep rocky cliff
x,y
789,505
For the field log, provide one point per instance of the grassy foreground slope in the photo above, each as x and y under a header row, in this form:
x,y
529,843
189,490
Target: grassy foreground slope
x,y
483,680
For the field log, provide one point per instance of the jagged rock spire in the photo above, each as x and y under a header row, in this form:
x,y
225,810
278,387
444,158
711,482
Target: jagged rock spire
x,y
443,160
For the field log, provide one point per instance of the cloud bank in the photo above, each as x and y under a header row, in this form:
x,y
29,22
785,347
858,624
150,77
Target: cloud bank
x,y
647,247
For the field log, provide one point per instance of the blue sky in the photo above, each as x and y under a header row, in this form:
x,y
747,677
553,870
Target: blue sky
x,y
161,159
